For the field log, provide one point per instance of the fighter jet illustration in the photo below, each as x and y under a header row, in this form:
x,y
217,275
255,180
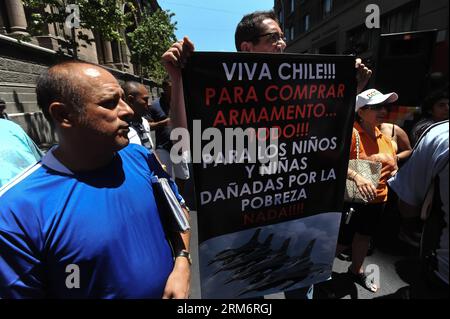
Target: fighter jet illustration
x,y
258,254
277,253
285,277
233,252
257,269
292,260
264,246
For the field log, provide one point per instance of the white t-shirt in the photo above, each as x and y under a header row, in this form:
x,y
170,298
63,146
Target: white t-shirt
x,y
133,136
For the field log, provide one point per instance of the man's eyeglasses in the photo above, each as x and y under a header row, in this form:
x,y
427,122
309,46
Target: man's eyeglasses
x,y
274,37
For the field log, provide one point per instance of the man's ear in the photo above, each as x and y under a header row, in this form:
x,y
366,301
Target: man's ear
x,y
246,46
61,114
129,99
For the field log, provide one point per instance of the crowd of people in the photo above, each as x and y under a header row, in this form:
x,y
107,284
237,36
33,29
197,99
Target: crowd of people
x,y
89,200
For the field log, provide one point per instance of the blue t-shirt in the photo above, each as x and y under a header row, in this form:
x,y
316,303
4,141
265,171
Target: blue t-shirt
x,y
428,160
105,222
17,151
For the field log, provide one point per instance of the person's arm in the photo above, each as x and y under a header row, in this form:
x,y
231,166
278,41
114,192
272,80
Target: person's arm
x,y
178,283
407,210
409,216
173,60
411,183
21,270
159,124
158,118
365,187
404,146
388,160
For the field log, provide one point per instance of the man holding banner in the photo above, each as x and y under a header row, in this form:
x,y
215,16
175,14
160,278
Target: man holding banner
x,y
265,227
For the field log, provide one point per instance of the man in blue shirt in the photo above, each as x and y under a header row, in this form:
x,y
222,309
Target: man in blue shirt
x,y
83,222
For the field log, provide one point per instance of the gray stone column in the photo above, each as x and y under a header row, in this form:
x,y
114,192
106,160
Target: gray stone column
x,y
107,53
16,17
2,25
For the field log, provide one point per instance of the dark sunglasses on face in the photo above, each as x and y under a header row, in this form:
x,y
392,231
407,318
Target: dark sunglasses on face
x,y
274,37
375,107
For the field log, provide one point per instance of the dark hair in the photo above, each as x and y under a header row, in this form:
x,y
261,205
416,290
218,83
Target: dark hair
x,y
431,99
250,27
131,88
2,106
58,84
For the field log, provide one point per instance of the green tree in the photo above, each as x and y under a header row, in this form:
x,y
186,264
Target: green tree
x,y
102,16
151,38
147,41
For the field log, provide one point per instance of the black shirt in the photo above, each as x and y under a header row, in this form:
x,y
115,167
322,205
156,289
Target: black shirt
x,y
158,112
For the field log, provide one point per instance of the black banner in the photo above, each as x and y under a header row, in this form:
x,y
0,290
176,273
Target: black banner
x,y
271,207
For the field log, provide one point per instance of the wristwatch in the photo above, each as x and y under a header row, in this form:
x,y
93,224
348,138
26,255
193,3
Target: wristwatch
x,y
185,254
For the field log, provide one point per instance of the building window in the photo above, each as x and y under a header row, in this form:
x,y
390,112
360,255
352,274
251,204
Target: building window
x,y
292,6
306,22
401,20
292,33
280,16
327,6
288,33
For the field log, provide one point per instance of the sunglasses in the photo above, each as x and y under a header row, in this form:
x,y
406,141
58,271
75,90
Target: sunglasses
x,y
274,37
375,107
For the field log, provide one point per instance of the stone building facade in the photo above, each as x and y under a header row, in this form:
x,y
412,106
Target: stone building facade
x,y
408,50
21,63
338,26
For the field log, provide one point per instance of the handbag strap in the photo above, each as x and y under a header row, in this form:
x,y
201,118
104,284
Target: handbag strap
x,y
357,142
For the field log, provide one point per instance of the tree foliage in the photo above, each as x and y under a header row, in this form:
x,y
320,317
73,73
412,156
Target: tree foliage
x,y
152,37
102,16
147,41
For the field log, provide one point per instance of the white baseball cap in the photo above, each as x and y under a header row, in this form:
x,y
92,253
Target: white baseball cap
x,y
372,97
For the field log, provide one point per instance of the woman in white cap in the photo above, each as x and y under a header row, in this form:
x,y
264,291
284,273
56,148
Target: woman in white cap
x,y
370,112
